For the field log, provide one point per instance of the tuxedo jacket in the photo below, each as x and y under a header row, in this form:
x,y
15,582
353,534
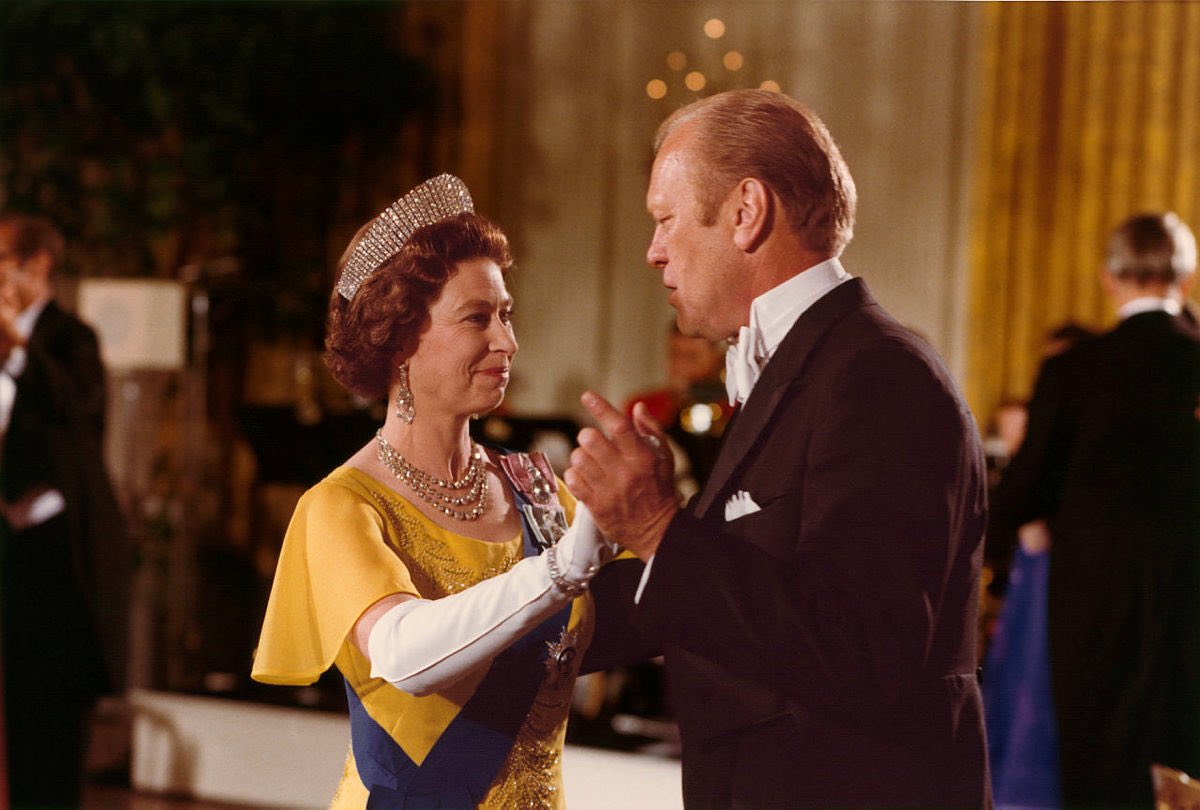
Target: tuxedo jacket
x,y
1111,461
821,651
66,580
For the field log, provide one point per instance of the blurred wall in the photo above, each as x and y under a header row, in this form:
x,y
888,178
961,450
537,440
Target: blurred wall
x,y
566,90
1088,113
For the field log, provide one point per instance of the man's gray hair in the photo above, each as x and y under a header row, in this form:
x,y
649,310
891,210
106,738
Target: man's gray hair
x,y
1152,248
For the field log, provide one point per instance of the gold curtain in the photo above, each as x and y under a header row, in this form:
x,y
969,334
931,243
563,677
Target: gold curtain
x,y
1089,112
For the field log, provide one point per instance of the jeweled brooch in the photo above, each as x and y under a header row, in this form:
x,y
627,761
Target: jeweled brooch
x,y
561,655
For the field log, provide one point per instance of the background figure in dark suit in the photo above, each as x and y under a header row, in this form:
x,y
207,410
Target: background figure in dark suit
x,y
816,604
691,406
64,560
1111,463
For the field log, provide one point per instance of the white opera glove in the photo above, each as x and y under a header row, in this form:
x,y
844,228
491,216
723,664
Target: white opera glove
x,y
423,645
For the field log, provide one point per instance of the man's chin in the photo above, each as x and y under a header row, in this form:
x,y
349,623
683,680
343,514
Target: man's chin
x,y
685,325
693,330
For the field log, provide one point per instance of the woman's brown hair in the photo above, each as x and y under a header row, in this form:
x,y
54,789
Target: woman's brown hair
x,y
390,311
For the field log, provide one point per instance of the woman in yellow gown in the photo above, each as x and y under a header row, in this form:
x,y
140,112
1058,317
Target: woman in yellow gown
x,y
440,578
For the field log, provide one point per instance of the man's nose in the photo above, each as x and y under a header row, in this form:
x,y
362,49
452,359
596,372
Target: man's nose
x,y
656,254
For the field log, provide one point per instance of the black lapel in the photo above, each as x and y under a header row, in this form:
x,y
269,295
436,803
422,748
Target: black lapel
x,y
783,372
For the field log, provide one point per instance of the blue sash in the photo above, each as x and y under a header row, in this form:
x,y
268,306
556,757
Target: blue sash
x,y
462,765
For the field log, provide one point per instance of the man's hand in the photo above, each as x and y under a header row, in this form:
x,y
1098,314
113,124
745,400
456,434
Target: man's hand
x,y
625,475
1034,537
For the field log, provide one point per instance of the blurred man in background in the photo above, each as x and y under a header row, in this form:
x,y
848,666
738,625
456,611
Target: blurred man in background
x,y
1111,463
63,554
691,406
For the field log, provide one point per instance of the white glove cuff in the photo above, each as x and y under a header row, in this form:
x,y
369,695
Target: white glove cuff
x,y
565,586
423,645
578,555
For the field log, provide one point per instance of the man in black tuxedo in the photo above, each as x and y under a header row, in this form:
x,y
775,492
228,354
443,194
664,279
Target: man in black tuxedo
x,y
64,556
816,603
1111,465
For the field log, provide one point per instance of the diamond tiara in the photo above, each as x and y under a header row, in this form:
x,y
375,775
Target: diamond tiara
x,y
432,201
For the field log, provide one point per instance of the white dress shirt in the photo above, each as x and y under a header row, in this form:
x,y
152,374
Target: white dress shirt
x,y
42,503
772,316
1149,303
14,366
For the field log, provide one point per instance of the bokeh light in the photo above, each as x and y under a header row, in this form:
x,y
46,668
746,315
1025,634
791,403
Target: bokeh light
x,y
656,88
733,61
714,28
676,60
695,81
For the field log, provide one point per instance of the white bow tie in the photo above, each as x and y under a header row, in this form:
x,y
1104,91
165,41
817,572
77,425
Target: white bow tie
x,y
744,362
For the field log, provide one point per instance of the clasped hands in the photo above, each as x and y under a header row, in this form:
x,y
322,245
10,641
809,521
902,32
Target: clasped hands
x,y
623,472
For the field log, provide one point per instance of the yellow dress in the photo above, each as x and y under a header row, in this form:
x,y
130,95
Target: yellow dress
x,y
494,738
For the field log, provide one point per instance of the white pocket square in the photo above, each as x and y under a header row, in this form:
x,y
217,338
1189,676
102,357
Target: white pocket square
x,y
739,505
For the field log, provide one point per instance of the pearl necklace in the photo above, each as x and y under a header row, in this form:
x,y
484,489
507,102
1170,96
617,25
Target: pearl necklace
x,y
433,490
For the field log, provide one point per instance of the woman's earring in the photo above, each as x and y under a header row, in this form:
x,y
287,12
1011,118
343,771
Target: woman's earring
x,y
404,398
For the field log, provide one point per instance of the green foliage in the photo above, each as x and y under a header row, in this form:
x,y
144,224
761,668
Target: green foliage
x,y
159,133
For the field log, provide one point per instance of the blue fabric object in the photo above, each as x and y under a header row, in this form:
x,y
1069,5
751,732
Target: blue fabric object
x,y
1022,735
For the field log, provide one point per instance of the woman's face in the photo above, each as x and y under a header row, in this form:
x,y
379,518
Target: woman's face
x,y
462,363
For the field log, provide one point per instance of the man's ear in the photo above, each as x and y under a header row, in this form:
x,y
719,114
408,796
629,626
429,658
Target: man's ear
x,y
1109,282
1185,284
753,210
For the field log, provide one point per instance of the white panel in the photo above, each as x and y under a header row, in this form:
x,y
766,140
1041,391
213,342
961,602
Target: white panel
x,y
141,323
596,779
236,751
